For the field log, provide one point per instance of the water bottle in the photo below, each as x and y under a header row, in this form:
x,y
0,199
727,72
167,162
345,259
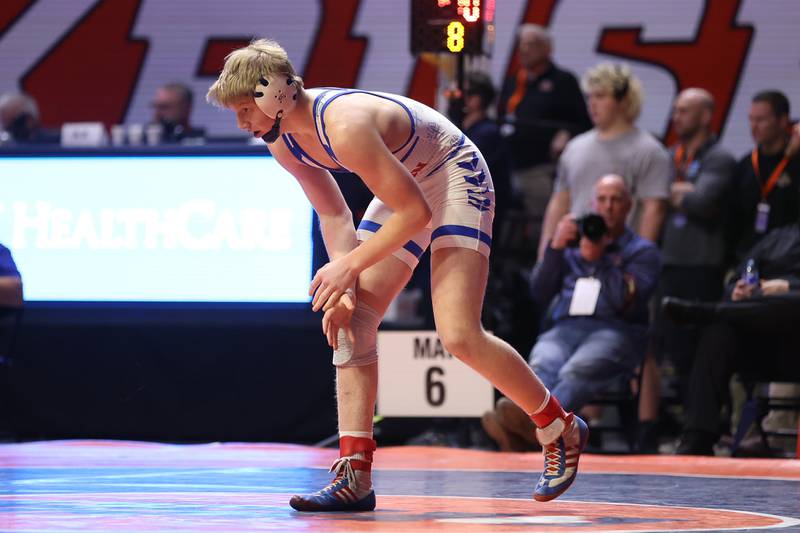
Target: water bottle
x,y
751,273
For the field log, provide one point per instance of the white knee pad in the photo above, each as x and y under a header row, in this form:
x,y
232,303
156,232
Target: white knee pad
x,y
364,351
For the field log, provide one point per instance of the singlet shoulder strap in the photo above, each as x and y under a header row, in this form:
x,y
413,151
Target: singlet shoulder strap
x,y
324,99
303,156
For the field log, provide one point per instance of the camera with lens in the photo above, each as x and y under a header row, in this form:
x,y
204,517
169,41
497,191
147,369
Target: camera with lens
x,y
591,226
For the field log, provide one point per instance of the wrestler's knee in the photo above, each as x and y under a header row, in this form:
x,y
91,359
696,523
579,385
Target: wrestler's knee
x,y
460,340
364,351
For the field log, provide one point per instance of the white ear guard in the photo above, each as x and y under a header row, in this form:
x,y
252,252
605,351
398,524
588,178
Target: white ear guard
x,y
275,96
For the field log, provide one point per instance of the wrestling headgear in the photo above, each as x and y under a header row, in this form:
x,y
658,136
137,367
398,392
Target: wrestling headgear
x,y
275,96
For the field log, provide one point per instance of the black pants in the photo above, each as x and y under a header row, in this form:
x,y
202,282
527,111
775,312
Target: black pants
x,y
677,343
758,338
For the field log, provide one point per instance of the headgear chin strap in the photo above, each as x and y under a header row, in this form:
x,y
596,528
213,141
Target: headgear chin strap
x,y
275,96
275,131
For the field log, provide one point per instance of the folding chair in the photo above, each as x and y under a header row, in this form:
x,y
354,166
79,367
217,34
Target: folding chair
x,y
625,399
756,407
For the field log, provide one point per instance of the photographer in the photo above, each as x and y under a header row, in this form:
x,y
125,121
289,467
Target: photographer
x,y
601,286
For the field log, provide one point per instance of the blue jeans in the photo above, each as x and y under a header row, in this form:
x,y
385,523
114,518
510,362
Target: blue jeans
x,y
579,357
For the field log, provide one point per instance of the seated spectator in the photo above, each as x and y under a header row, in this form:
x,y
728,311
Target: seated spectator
x,y
542,107
768,178
615,146
172,108
479,95
10,280
752,331
19,118
599,316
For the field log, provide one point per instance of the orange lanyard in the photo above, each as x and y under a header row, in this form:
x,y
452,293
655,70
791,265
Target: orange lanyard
x,y
519,91
767,187
682,165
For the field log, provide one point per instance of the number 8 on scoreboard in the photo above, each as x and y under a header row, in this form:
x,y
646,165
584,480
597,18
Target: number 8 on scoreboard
x,y
454,26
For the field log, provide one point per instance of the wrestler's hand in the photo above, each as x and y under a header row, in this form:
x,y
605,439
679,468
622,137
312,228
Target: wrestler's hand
x,y
330,283
338,317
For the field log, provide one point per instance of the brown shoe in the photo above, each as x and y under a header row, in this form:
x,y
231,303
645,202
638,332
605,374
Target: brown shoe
x,y
516,421
506,440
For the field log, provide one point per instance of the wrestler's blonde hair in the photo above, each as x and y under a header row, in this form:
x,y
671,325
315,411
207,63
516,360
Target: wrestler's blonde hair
x,y
619,81
243,67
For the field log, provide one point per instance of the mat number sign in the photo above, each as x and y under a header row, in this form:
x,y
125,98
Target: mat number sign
x,y
418,377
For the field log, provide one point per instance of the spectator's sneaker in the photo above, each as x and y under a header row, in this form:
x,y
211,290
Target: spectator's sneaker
x,y
561,457
351,489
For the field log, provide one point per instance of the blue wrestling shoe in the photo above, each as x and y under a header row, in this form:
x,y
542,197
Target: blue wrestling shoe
x,y
561,457
335,497
351,489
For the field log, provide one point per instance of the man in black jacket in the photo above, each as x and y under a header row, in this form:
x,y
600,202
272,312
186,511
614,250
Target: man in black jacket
x,y
693,240
753,331
541,107
768,177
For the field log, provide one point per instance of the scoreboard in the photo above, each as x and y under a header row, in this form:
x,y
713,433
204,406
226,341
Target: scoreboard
x,y
454,26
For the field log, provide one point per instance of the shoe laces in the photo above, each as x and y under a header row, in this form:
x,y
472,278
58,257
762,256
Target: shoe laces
x,y
343,469
552,458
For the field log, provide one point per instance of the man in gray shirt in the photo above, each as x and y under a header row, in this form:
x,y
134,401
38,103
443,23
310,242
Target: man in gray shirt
x,y
614,146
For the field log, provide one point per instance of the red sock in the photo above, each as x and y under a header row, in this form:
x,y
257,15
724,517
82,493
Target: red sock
x,y
358,451
360,448
550,412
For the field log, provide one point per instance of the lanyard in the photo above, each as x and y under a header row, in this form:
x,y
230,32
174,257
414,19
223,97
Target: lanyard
x,y
682,165
519,91
767,187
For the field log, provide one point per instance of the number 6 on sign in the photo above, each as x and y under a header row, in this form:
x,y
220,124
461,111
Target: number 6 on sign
x,y
418,377
434,390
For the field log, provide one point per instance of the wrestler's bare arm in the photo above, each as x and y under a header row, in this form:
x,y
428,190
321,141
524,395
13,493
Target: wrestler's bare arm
x,y
336,221
359,147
